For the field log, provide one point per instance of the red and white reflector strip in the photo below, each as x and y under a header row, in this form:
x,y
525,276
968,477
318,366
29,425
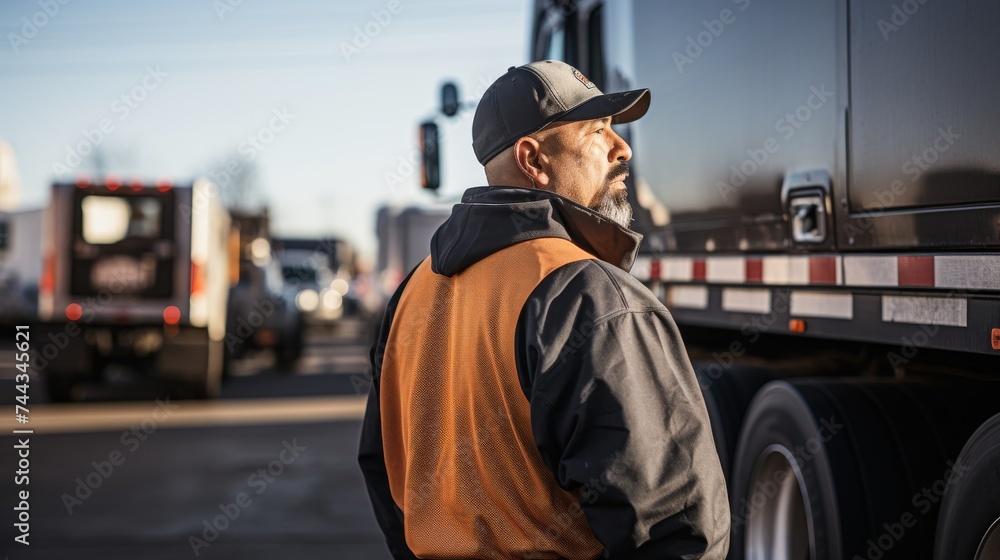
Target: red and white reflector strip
x,y
957,271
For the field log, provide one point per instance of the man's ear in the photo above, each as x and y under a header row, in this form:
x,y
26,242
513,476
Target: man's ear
x,y
529,159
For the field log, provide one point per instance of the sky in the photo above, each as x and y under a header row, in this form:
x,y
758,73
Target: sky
x,y
322,100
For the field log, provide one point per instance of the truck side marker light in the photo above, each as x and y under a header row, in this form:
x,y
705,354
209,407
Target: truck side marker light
x,y
797,325
74,312
995,338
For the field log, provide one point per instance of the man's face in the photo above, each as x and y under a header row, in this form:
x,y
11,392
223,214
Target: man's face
x,y
586,162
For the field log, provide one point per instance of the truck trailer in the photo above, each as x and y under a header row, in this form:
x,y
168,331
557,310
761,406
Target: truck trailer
x,y
818,186
135,275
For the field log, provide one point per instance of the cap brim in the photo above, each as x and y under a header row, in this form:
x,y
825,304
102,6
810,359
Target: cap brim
x,y
623,107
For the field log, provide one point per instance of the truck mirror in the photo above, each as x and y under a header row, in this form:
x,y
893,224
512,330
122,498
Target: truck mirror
x,y
449,99
430,163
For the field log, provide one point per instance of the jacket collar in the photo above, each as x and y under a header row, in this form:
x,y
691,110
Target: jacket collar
x,y
493,218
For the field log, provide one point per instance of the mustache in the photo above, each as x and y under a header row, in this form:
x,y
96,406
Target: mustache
x,y
620,168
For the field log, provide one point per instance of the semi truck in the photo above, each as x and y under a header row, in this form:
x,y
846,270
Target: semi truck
x,y
404,239
818,187
135,275
818,184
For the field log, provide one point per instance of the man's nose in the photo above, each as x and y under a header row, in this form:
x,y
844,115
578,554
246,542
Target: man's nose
x,y
621,150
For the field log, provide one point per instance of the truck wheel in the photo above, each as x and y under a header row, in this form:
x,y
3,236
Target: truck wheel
x,y
210,387
60,389
727,393
289,348
969,525
830,469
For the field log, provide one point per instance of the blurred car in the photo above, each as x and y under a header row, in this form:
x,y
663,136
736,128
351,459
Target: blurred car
x,y
263,313
323,295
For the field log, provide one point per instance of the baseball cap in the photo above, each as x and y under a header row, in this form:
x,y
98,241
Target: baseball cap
x,y
528,98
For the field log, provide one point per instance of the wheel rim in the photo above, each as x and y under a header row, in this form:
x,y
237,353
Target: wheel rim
x,y
989,548
779,526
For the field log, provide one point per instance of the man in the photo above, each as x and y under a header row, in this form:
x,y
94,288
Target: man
x,y
530,399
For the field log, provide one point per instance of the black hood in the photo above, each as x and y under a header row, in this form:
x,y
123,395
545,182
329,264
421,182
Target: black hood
x,y
493,218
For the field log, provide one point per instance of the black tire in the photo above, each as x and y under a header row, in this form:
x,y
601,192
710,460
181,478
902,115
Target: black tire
x,y
971,507
289,348
728,392
210,387
60,389
855,457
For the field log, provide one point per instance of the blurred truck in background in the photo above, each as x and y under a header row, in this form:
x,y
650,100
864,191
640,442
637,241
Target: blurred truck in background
x,y
136,276
20,265
404,239
321,273
261,279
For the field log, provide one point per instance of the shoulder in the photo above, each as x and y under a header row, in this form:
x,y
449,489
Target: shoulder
x,y
590,286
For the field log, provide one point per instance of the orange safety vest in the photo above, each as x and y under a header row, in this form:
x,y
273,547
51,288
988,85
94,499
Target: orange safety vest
x,y
460,455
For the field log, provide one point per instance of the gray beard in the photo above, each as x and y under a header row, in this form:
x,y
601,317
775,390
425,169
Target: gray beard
x,y
614,206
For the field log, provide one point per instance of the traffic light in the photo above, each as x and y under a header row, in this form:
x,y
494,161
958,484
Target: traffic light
x,y
430,164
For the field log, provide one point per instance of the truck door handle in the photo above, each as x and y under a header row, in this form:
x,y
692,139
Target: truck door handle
x,y
808,217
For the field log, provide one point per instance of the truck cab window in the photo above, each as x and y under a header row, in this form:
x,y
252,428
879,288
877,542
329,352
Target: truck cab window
x,y
110,219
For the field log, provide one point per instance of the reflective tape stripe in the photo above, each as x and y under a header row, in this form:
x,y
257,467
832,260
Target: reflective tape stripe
x,y
925,310
834,305
746,300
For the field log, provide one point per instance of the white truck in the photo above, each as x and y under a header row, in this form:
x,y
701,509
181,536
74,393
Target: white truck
x,y
137,275
20,266
404,239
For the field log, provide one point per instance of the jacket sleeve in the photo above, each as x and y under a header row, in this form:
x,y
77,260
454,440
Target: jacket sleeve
x,y
370,452
618,415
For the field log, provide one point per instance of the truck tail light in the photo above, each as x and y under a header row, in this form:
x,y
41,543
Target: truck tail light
x,y
113,182
197,279
74,312
163,184
47,283
171,315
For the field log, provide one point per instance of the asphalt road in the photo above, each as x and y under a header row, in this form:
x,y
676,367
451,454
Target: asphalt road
x,y
267,471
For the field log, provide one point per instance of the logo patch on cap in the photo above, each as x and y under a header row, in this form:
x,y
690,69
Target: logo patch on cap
x,y
583,79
